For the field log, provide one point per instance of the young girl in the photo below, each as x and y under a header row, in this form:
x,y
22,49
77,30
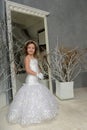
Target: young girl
x,y
33,103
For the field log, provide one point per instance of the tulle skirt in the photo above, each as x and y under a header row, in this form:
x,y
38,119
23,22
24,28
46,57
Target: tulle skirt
x,y
32,104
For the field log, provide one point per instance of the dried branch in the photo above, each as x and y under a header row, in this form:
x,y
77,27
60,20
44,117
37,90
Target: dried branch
x,y
65,63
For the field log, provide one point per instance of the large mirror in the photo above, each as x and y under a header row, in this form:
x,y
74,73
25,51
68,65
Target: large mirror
x,y
25,23
25,27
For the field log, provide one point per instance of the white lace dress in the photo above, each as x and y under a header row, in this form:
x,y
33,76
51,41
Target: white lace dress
x,y
33,102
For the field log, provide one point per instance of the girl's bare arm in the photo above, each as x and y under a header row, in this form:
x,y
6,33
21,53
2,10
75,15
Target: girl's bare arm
x,y
27,66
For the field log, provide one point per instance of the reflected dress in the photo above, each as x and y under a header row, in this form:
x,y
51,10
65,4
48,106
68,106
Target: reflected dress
x,y
33,102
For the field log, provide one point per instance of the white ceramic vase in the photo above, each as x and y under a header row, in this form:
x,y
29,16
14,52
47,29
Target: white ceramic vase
x,y
65,90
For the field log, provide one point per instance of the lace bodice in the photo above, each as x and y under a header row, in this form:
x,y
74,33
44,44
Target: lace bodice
x,y
34,66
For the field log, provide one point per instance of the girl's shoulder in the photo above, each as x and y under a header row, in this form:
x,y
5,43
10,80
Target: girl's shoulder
x,y
27,58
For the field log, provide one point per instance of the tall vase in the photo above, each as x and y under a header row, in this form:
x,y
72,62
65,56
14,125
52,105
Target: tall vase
x,y
65,90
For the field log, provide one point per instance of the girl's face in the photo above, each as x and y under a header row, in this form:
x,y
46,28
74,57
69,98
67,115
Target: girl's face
x,y
31,49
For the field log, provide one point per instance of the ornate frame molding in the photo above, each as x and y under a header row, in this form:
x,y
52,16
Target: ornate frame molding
x,y
13,6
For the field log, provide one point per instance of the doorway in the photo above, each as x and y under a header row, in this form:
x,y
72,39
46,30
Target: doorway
x,y
24,23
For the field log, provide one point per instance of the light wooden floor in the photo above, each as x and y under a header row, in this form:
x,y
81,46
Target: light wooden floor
x,y
72,115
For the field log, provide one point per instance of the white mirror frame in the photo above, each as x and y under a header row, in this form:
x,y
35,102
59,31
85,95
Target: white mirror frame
x,y
12,6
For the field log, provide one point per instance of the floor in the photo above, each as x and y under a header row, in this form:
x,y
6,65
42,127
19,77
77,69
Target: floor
x,y
72,115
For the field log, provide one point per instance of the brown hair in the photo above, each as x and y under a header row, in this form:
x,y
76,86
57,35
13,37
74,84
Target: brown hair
x,y
28,43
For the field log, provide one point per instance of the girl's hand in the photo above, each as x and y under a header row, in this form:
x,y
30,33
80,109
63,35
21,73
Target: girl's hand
x,y
40,75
